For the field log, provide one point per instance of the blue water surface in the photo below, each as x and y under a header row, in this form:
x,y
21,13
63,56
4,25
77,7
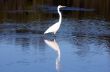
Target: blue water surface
x,y
79,46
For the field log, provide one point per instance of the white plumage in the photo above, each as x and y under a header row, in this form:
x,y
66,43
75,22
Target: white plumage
x,y
55,27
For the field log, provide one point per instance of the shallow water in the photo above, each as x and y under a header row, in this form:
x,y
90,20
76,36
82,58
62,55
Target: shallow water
x,y
79,46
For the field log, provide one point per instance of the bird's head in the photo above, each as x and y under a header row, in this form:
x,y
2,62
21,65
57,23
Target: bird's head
x,y
60,6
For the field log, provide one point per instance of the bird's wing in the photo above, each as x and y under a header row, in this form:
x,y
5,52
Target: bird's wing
x,y
51,28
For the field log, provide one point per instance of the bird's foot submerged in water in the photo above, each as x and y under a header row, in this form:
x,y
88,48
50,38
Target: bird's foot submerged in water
x,y
49,36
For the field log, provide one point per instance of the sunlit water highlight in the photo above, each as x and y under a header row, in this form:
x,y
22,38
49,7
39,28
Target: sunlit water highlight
x,y
84,46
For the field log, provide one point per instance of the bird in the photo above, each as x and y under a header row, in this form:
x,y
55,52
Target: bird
x,y
55,27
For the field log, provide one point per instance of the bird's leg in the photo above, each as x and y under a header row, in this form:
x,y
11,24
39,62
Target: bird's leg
x,y
54,34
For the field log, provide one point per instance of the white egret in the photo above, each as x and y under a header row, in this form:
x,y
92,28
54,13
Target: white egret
x,y
54,28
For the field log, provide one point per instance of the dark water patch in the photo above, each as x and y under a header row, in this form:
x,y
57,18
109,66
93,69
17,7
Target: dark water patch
x,y
53,9
69,27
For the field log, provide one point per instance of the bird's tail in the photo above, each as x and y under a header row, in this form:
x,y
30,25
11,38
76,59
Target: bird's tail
x,y
45,32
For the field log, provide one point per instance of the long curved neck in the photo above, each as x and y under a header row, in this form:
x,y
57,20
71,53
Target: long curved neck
x,y
60,16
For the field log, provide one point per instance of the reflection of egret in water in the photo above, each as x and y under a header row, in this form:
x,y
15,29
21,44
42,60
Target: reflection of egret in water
x,y
53,44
